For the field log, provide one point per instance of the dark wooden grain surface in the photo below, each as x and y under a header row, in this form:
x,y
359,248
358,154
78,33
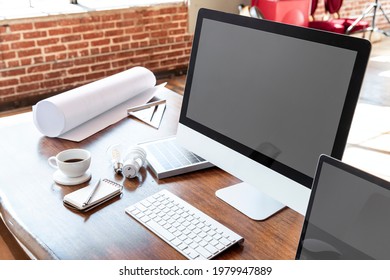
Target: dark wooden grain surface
x,y
31,202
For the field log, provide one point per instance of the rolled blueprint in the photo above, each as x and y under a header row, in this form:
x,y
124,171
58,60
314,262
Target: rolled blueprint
x,y
59,114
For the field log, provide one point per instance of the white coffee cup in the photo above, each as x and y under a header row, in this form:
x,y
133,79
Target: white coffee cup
x,y
72,163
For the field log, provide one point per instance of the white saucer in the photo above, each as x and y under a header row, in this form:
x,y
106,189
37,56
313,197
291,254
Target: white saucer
x,y
60,178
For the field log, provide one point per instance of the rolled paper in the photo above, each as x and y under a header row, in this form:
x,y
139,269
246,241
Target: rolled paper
x,y
58,114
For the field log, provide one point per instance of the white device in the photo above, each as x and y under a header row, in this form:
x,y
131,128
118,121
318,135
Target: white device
x,y
166,158
133,160
201,238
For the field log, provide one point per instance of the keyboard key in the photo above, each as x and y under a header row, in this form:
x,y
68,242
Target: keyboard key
x,y
146,203
191,253
208,238
219,246
160,230
205,253
145,219
176,242
182,246
224,241
211,249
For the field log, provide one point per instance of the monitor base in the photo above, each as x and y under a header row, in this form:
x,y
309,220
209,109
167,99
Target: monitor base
x,y
250,201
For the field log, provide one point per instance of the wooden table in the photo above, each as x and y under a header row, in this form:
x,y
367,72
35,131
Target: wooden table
x,y
31,202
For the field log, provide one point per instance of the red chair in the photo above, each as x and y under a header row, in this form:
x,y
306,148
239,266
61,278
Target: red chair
x,y
327,25
335,23
294,12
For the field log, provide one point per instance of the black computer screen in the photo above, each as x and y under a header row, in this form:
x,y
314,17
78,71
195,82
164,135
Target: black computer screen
x,y
279,94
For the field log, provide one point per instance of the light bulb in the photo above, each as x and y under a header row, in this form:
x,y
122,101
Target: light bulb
x,y
133,160
114,153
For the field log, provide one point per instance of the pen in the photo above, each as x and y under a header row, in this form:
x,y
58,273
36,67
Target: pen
x,y
92,193
145,106
154,111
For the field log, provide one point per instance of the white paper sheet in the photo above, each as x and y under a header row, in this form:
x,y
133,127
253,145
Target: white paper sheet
x,y
80,112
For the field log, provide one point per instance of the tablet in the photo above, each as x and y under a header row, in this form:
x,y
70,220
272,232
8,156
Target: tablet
x,y
347,216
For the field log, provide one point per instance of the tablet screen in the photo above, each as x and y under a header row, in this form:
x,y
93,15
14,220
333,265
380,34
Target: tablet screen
x,y
348,215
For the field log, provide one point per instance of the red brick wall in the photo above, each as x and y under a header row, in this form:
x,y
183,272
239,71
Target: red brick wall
x,y
353,8
47,55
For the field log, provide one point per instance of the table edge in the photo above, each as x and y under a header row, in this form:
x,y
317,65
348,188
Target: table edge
x,y
33,247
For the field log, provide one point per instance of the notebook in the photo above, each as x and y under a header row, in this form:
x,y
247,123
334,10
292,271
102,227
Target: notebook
x,y
167,158
348,215
106,190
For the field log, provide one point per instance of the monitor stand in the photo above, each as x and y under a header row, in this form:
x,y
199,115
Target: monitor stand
x,y
250,201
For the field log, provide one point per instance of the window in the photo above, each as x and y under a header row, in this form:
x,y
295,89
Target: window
x,y
34,8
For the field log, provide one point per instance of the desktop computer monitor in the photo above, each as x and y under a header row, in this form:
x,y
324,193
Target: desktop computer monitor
x,y
263,100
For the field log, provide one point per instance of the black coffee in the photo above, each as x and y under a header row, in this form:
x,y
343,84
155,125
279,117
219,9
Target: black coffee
x,y
73,160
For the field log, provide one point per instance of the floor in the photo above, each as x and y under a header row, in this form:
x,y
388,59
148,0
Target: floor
x,y
368,145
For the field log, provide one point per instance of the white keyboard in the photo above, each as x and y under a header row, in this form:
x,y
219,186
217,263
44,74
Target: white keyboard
x,y
187,229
